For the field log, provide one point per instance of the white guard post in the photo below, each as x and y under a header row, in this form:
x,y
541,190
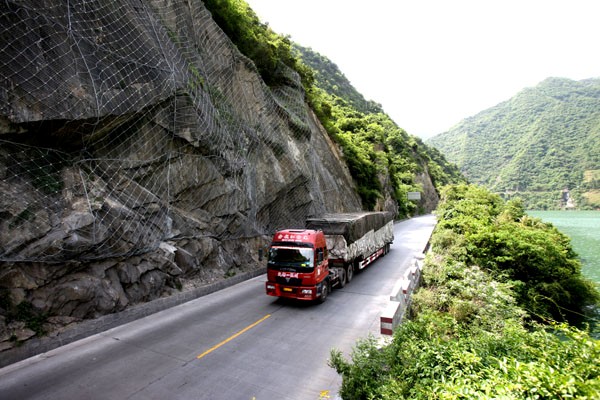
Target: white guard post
x,y
396,309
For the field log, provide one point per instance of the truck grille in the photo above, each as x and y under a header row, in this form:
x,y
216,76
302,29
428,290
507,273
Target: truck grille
x,y
288,281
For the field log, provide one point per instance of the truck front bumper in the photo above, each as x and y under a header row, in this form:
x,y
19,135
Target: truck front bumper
x,y
292,292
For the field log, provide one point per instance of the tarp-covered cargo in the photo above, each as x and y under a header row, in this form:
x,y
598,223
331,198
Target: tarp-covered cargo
x,y
353,236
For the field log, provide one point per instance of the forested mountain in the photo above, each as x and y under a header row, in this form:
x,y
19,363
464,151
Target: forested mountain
x,y
385,161
377,150
332,80
537,144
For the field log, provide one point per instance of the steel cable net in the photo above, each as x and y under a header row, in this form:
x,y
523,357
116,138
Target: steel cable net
x,y
122,120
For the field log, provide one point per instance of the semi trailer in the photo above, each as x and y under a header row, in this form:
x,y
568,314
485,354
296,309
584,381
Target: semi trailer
x,y
306,263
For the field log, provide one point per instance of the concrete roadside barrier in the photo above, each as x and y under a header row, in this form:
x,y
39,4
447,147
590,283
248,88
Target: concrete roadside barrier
x,y
400,298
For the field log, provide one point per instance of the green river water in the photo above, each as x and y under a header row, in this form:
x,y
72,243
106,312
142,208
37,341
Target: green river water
x,y
583,227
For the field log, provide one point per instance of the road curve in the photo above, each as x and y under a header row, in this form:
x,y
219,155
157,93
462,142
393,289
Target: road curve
x,y
237,343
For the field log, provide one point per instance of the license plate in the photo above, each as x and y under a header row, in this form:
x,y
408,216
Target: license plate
x,y
287,289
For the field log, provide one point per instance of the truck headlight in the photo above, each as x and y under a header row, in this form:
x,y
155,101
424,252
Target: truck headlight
x,y
270,287
306,291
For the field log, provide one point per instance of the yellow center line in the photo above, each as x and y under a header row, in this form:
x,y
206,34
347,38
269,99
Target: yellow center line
x,y
233,336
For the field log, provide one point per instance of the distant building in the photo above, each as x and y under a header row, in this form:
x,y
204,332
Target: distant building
x,y
566,200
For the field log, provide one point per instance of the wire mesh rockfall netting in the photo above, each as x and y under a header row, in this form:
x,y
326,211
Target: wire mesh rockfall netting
x,y
120,119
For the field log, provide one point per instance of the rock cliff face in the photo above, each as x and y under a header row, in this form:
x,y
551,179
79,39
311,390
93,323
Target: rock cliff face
x,y
141,153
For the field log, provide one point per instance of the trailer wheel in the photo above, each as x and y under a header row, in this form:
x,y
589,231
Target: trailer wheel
x,y
386,249
349,273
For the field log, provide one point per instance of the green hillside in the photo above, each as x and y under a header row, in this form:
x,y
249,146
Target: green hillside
x,y
384,160
331,79
540,142
376,148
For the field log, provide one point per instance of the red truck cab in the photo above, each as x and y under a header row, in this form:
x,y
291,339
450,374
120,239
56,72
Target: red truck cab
x,y
297,265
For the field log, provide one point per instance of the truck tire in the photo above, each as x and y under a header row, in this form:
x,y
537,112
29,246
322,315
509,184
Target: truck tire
x,y
342,277
349,273
325,289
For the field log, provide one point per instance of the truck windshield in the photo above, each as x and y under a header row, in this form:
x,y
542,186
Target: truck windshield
x,y
295,258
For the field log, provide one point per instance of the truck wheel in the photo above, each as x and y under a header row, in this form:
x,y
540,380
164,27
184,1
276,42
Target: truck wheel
x,y
349,273
324,292
342,277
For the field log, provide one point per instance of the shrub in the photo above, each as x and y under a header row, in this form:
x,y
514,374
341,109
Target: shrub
x,y
469,337
477,228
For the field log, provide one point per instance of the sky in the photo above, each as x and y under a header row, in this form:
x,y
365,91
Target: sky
x,y
432,63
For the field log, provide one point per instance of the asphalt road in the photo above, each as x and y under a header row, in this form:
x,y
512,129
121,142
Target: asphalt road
x,y
237,343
